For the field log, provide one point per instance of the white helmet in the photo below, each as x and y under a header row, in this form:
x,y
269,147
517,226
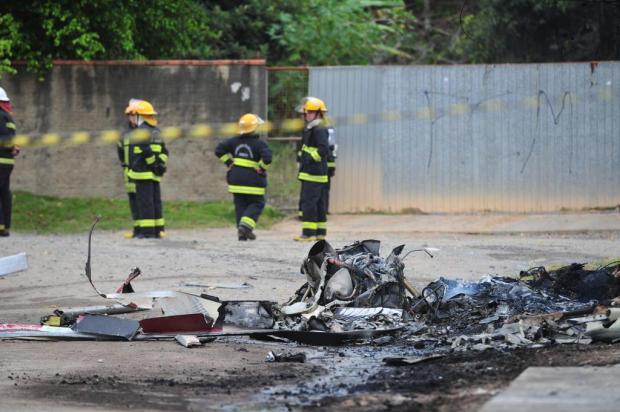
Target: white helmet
x,y
3,96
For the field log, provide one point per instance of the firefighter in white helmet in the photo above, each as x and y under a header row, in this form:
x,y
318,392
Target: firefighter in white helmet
x,y
8,151
147,163
248,159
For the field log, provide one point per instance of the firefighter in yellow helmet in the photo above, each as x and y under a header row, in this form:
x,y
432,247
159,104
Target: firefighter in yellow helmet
x,y
8,151
313,170
331,159
147,159
248,159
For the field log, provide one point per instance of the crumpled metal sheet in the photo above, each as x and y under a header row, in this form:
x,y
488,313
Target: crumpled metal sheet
x,y
108,326
354,276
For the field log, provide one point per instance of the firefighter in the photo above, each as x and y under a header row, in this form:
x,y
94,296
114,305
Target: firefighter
x,y
8,151
148,158
248,159
331,159
130,185
313,170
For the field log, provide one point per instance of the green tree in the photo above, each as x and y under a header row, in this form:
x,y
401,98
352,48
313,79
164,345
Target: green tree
x,y
542,31
337,32
39,31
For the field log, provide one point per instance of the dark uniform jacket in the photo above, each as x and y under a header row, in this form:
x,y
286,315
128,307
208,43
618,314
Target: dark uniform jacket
x,y
147,157
7,132
314,153
250,157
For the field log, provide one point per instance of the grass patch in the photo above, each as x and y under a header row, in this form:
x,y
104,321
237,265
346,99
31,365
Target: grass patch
x,y
48,214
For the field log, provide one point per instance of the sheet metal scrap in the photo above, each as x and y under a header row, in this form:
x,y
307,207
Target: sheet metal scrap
x,y
13,264
107,326
196,322
40,332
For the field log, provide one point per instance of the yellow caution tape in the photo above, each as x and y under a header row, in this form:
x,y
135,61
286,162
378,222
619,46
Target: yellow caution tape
x,y
294,125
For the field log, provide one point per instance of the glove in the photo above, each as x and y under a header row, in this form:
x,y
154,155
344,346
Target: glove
x,y
159,169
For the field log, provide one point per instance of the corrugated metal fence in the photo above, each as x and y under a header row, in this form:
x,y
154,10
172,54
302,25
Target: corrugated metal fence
x,y
528,138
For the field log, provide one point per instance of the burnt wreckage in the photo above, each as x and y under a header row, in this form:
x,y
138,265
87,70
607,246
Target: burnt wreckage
x,y
354,294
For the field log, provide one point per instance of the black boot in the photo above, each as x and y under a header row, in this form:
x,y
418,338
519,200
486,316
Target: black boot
x,y
247,232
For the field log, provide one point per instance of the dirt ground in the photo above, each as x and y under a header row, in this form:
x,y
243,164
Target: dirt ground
x,y
231,373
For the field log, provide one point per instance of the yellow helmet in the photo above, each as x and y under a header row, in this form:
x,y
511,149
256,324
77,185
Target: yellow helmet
x,y
144,109
313,104
141,107
249,122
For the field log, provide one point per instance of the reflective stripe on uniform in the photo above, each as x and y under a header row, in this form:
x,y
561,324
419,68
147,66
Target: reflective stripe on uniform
x,y
10,125
248,221
137,150
312,178
155,148
150,160
238,161
331,164
321,225
6,161
246,190
226,157
160,222
164,157
130,187
143,176
145,222
312,151
310,225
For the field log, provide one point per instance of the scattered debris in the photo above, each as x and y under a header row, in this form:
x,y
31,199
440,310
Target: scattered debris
x,y
251,314
575,282
353,294
298,357
347,289
400,361
189,341
13,264
328,338
606,330
65,317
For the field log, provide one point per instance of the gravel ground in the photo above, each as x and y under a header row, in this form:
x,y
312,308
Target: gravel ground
x,y
228,373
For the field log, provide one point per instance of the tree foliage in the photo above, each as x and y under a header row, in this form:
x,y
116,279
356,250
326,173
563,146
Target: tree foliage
x,y
542,31
37,32
310,32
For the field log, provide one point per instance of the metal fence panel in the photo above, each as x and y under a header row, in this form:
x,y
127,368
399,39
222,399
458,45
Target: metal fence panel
x,y
515,138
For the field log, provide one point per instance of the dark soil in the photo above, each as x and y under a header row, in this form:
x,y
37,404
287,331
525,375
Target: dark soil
x,y
460,381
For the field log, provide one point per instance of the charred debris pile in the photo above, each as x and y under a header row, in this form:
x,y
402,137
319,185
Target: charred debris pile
x,y
353,294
